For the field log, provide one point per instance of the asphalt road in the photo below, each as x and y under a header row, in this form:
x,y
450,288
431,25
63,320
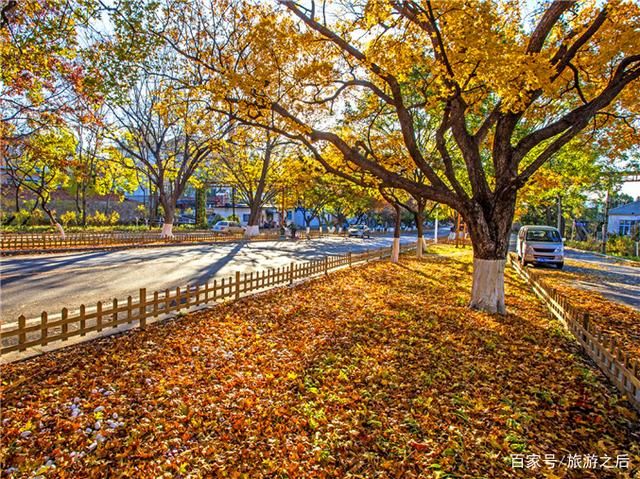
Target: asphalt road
x,y
32,284
614,279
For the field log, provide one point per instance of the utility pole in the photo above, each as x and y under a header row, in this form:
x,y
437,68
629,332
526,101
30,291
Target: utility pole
x,y
559,216
284,213
605,224
233,202
435,233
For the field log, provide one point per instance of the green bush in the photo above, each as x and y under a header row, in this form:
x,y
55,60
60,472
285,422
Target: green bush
x,y
621,245
114,217
70,217
589,245
142,211
98,219
616,245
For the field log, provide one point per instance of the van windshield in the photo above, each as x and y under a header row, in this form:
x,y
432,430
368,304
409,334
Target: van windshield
x,y
550,236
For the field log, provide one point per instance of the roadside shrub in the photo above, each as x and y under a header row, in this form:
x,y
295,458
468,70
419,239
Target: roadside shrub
x,y
622,245
36,217
98,219
114,218
70,217
142,211
589,245
616,245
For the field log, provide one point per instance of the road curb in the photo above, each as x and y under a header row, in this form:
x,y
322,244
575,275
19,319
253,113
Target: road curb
x,y
615,258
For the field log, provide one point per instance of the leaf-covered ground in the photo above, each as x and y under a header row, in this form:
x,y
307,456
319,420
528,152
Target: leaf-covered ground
x,y
617,320
377,372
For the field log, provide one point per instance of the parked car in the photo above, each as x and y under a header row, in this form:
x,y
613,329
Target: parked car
x,y
186,220
228,227
360,231
540,245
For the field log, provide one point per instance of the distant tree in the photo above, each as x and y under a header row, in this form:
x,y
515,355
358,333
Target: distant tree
x,y
256,163
40,164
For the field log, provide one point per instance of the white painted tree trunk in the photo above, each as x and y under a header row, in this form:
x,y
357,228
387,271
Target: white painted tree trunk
x,y
167,230
435,233
251,231
61,230
487,293
395,250
308,231
419,246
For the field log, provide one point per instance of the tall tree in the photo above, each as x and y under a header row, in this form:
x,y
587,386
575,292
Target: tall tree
x,y
167,135
256,163
40,164
504,96
43,73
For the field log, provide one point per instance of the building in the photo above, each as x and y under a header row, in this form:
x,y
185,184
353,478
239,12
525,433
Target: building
x,y
624,220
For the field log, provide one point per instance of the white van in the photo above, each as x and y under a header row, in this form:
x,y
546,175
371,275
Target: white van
x,y
540,245
228,227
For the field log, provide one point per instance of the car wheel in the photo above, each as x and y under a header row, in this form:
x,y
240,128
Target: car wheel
x,y
560,265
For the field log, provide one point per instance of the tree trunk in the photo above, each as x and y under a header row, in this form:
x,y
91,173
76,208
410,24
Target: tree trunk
x,y
169,206
490,230
395,249
420,244
201,208
77,200
17,199
487,292
253,229
53,220
84,206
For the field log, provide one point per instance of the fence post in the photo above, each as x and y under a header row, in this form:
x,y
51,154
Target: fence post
x,y
22,337
114,316
585,321
83,322
349,255
142,313
237,285
366,252
291,272
44,329
326,265
65,326
99,316
129,308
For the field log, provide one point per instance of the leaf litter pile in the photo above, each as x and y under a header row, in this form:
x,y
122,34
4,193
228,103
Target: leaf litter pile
x,y
376,372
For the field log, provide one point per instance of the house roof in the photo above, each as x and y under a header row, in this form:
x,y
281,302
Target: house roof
x,y
632,208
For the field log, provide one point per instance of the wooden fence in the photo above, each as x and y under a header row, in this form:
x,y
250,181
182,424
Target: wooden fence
x,y
461,241
618,365
23,334
29,242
